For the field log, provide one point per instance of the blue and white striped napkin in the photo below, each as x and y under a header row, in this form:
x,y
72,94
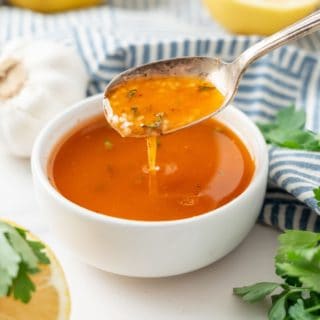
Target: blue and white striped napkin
x,y
127,33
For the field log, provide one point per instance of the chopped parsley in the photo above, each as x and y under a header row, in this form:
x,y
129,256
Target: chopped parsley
x,y
108,144
206,88
135,111
131,93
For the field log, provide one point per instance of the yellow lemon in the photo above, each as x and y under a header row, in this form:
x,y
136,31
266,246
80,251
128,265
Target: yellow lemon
x,y
262,17
48,6
50,301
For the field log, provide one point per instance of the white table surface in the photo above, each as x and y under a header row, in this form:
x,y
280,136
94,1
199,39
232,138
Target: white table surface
x,y
202,295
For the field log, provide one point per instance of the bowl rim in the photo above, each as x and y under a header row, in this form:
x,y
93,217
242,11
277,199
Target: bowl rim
x,y
40,174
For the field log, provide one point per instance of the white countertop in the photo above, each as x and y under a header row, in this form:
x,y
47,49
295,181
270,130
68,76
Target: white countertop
x,y
202,295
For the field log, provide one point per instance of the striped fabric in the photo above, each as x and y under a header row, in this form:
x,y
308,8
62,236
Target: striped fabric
x,y
127,33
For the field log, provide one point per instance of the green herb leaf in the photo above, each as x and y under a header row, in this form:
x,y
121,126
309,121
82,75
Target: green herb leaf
x,y
298,239
299,257
278,310
291,118
108,144
9,258
313,302
316,193
294,139
38,250
266,127
22,286
19,257
21,246
303,264
295,239
256,292
287,131
131,93
298,312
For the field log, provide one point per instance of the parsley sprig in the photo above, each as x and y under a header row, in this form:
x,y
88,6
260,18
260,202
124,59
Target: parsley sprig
x,y
288,131
19,258
298,263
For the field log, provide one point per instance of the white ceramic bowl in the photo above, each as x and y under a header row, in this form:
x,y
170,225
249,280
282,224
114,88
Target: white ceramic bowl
x,y
148,249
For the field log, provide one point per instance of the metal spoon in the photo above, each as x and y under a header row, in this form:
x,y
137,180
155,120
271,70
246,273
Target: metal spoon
x,y
225,76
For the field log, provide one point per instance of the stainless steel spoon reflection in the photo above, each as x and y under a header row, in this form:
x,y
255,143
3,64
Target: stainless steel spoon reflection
x,y
225,76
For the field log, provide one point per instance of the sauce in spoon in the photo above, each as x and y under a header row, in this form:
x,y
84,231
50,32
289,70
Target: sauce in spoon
x,y
148,106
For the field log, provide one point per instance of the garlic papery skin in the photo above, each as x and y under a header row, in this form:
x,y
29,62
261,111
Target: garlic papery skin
x,y
38,79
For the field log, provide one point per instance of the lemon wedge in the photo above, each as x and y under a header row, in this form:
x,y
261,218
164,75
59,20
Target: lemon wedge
x,y
50,301
262,17
48,6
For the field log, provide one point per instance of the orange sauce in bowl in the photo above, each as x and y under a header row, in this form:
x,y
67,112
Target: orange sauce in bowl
x,y
199,169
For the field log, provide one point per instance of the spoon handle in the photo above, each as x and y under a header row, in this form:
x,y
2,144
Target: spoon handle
x,y
297,30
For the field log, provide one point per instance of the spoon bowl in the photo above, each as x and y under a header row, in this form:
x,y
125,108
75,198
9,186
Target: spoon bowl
x,y
216,71
223,75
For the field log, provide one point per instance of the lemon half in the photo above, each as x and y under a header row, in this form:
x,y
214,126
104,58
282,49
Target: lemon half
x,y
48,6
262,17
50,301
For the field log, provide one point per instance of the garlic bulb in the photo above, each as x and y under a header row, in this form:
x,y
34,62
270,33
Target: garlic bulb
x,y
38,79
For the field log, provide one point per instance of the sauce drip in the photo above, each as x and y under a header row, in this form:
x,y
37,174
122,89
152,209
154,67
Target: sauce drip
x,y
152,145
152,153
